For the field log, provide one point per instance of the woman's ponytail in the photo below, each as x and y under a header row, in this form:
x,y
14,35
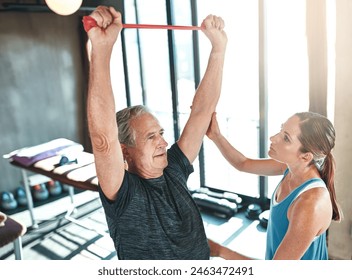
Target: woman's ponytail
x,y
327,173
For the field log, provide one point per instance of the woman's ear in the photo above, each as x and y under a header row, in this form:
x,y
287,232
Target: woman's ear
x,y
307,157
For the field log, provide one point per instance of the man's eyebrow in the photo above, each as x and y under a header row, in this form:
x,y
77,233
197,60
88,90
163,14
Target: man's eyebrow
x,y
150,134
154,132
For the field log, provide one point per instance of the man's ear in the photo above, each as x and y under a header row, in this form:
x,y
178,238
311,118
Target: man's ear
x,y
125,152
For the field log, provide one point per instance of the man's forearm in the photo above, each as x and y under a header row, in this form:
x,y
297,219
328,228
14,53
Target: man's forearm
x,y
208,92
100,103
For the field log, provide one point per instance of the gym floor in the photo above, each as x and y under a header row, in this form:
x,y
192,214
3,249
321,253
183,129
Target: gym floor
x,y
57,238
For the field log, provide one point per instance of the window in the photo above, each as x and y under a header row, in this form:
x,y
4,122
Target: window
x,y
149,79
117,77
185,72
238,108
287,65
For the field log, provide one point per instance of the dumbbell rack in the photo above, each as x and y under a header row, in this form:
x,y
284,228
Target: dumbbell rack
x,y
28,183
223,203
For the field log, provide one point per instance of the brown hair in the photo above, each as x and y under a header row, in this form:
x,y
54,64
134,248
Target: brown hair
x,y
318,137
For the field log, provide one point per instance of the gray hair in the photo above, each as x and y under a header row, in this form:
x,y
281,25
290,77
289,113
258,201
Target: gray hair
x,y
127,135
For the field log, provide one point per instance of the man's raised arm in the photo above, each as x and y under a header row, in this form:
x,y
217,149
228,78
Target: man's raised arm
x,y
208,92
102,125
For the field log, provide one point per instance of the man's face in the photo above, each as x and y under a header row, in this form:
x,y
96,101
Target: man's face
x,y
148,157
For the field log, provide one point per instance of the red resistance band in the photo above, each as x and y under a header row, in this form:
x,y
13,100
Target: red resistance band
x,y
89,22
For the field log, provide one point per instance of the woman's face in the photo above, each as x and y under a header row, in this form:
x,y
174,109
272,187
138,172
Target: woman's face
x,y
285,145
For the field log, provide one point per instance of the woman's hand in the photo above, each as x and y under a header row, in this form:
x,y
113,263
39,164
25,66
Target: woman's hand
x,y
213,129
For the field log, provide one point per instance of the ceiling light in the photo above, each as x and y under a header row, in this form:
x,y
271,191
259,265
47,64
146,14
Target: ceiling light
x,y
64,7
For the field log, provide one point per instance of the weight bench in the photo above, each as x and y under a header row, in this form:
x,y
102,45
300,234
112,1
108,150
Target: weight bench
x,y
80,173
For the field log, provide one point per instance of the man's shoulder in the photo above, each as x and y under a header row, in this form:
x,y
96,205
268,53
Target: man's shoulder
x,y
173,149
174,152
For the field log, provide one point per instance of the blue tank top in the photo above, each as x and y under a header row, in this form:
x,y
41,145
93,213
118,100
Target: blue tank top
x,y
278,225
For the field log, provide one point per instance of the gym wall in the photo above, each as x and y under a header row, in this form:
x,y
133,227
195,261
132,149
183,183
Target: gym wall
x,y
42,78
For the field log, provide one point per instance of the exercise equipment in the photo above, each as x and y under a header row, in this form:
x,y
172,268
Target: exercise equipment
x,y
65,159
29,155
54,188
264,218
253,211
215,205
8,201
44,159
232,197
40,192
20,195
89,22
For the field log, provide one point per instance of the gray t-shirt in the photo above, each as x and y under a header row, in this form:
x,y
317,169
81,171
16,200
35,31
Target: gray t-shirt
x,y
157,219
